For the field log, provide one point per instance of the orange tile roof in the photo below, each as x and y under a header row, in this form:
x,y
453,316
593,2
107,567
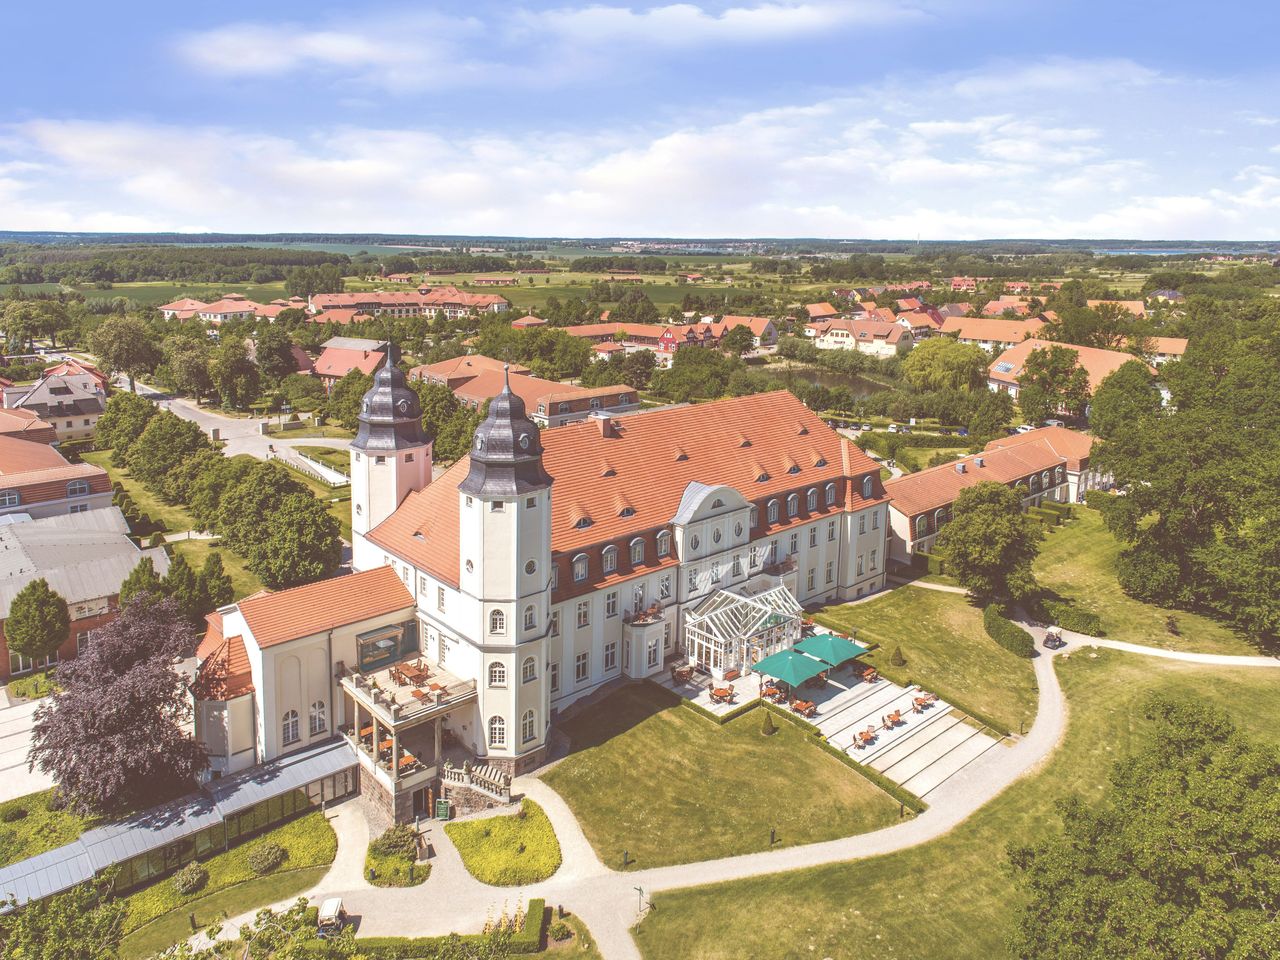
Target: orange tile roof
x,y
759,326
818,311
936,487
25,425
464,366
995,308
72,367
645,330
649,461
224,672
1136,307
338,361
991,328
1072,445
532,390
316,607
1098,363
865,330
23,456
1171,346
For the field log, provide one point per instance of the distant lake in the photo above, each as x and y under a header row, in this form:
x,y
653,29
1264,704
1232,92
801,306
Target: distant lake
x,y
856,384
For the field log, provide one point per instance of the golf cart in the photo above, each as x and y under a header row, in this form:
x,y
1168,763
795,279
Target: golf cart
x,y
331,918
1053,638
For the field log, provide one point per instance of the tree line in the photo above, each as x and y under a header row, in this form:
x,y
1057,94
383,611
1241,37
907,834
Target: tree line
x,y
27,263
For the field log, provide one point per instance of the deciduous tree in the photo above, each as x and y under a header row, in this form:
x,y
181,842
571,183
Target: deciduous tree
x,y
990,544
142,579
166,443
941,363
301,543
1126,398
214,584
122,422
38,621
1052,380
84,923
113,737
125,345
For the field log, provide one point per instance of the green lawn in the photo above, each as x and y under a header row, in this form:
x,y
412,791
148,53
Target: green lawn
x,y
37,829
339,460
243,580
952,898
33,686
1078,561
174,516
309,842
508,851
669,786
946,648
925,455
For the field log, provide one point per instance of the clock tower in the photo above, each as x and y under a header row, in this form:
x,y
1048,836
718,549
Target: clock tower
x,y
390,456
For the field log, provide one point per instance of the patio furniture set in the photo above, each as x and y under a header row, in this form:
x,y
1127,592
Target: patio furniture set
x,y
407,760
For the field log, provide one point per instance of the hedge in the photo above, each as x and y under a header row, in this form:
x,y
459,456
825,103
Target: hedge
x,y
1061,509
932,563
1007,633
1050,517
1070,617
530,938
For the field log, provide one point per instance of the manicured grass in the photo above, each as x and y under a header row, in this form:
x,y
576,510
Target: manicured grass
x,y
581,944
174,516
175,925
243,580
656,779
925,455
507,851
946,648
34,685
154,293
39,830
1078,562
339,460
953,897
308,841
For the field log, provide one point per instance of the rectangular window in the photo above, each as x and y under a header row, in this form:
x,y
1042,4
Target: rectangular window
x,y
581,667
809,579
530,503
440,599
831,530
497,506
82,639
737,565
611,604
754,557
653,652
831,571
873,559
862,523
610,656
693,579
666,636
664,587
875,520
795,544
813,536
553,674
859,564
584,613
79,507
408,458
553,624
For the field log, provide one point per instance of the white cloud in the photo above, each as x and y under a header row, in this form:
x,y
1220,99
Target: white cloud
x,y
406,53
889,161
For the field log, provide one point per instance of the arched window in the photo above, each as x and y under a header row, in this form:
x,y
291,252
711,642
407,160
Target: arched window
x,y
1035,483
831,494
939,518
1044,480
579,568
497,622
528,670
319,717
866,487
922,526
530,617
664,543
793,504
528,731
609,557
10,498
773,511
637,550
497,732
78,488
1057,474
289,728
811,499
497,674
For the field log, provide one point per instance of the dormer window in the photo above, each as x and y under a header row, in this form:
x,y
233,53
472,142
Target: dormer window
x,y
637,551
793,504
583,523
627,512
664,543
866,487
762,478
610,559
811,499
831,494
579,568
794,468
773,511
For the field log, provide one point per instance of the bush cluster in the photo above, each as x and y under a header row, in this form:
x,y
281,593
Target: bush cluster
x,y
265,857
507,851
13,813
1070,617
190,878
559,931
1007,633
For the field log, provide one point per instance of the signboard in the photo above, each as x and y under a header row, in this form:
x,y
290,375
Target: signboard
x,y
443,809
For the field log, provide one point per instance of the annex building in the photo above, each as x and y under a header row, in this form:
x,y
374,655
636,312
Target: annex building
x,y
531,573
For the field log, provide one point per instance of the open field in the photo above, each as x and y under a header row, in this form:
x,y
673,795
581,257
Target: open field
x,y
946,649
669,786
1078,561
953,897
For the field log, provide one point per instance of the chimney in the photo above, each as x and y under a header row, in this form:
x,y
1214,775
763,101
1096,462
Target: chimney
x,y
604,422
978,462
960,467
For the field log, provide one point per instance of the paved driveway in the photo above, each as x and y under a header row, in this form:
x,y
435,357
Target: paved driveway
x,y
15,741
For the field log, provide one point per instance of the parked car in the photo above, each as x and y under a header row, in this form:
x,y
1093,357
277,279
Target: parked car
x,y
893,428
1054,423
1024,428
962,432
866,426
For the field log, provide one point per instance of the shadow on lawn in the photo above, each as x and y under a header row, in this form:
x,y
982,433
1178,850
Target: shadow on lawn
x,y
615,714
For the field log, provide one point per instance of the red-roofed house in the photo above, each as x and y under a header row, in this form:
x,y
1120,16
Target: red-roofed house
x,y
26,425
763,332
1073,446
183,309
1164,349
1002,375
528,321
821,311
874,337
341,355
992,334
37,480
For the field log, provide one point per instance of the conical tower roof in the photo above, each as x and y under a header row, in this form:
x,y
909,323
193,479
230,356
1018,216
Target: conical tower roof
x,y
506,452
390,413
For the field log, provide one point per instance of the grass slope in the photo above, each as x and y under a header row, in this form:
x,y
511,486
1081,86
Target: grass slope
x,y
655,779
1078,561
953,897
946,648
508,851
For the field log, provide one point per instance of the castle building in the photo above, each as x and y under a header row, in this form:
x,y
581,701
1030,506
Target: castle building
x,y
538,569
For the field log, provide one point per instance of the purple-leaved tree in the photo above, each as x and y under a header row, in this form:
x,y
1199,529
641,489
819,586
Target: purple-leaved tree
x,y
112,737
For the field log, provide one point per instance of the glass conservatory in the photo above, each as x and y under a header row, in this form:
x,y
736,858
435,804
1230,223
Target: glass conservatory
x,y
730,631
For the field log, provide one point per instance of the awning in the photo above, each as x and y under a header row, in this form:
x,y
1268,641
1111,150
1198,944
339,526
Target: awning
x,y
827,646
790,667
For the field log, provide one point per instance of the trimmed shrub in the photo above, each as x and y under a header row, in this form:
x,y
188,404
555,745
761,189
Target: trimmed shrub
x,y
898,660
157,539
931,562
399,841
767,727
1070,617
190,879
265,857
13,814
1007,633
560,931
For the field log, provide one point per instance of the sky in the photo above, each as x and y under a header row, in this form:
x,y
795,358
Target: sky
x,y
938,119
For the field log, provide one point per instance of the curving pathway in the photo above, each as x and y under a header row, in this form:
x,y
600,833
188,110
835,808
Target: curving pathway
x,y
609,901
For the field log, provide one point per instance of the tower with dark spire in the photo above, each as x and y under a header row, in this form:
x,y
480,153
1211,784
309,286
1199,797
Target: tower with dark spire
x,y
390,456
505,575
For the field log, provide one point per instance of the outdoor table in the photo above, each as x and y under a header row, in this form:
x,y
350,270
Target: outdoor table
x,y
413,674
407,759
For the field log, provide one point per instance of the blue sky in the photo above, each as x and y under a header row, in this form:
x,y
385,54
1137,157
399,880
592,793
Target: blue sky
x,y
861,118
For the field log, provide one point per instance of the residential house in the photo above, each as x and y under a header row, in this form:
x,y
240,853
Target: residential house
x,y
763,332
1002,375
232,306
1073,446
401,278
25,425
496,281
528,322
71,402
874,337
1168,296
1017,286
663,339
1136,307
38,481
921,324
84,557
921,503
1163,349
821,311
992,334
182,309
1005,305
341,355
